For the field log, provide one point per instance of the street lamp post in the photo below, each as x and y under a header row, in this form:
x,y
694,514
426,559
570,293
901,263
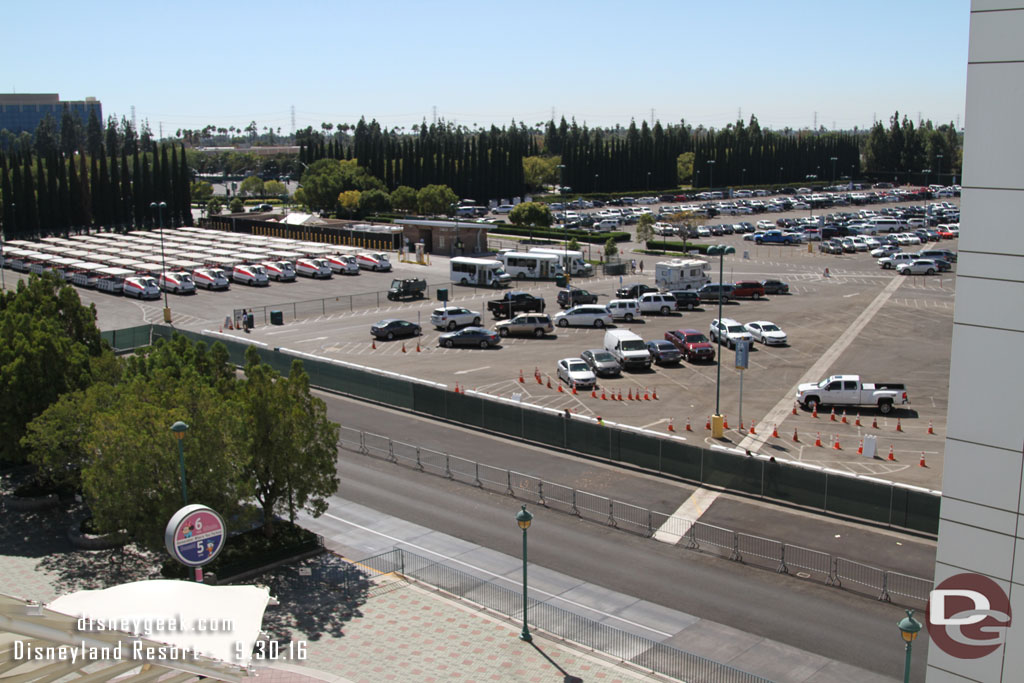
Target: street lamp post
x,y
717,421
780,174
648,181
523,519
711,174
909,628
834,160
178,429
163,260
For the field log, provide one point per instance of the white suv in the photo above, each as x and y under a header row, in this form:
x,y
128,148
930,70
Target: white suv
x,y
656,302
731,332
452,317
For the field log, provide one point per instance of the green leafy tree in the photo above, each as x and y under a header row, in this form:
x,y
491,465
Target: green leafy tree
x,y
236,205
214,206
531,215
46,137
275,188
435,200
540,171
47,341
348,202
610,247
645,228
252,186
574,244
292,444
324,180
202,191
374,201
684,168
404,199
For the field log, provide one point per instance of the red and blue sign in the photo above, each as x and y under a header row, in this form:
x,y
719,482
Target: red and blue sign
x,y
195,535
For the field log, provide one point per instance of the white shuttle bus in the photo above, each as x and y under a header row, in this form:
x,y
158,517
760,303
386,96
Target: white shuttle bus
x,y
572,261
478,271
531,266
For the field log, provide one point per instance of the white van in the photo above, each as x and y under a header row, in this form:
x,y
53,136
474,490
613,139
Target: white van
x,y
623,309
210,278
478,271
628,348
656,302
572,261
282,271
313,267
176,282
374,260
533,266
250,274
345,264
141,287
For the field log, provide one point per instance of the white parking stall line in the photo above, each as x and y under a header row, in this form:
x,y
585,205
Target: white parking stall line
x,y
692,509
303,341
466,372
654,424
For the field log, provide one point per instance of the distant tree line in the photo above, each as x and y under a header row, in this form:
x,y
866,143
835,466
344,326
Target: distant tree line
x,y
905,152
62,184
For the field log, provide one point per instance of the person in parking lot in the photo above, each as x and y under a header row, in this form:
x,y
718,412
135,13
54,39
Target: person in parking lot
x,y
641,266
632,266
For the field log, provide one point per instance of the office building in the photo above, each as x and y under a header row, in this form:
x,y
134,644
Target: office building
x,y
23,113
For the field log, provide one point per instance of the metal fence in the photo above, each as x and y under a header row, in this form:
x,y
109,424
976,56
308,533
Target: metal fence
x,y
733,545
826,491
642,652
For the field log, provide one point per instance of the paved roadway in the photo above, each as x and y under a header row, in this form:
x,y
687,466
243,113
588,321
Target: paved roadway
x,y
854,629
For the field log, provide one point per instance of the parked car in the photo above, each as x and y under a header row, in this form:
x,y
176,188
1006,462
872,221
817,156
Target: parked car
x,y
575,297
729,332
469,336
692,344
885,250
623,309
588,315
536,324
712,292
633,291
775,287
453,316
688,299
392,328
656,302
748,288
576,373
919,266
602,363
766,332
663,352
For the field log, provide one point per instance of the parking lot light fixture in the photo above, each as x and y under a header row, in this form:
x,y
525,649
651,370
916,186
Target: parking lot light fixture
x,y
523,519
717,421
178,429
909,628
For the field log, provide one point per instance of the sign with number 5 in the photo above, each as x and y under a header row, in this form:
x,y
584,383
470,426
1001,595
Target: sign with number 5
x,y
195,535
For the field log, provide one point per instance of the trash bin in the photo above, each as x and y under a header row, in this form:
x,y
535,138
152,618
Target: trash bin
x,y
442,294
561,281
276,318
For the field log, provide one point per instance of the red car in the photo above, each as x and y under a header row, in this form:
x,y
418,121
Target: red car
x,y
693,344
748,288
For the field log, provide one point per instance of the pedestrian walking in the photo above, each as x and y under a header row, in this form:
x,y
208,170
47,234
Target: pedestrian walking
x,y
632,266
641,266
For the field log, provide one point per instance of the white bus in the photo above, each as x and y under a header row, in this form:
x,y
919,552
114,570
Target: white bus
x,y
533,266
572,261
478,271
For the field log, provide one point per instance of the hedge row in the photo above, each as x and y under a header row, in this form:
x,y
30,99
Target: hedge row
x,y
559,235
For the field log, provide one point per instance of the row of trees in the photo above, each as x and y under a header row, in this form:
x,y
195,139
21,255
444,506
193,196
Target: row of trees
x,y
906,151
100,425
72,136
60,193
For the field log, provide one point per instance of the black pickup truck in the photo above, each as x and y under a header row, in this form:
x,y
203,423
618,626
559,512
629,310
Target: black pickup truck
x,y
515,302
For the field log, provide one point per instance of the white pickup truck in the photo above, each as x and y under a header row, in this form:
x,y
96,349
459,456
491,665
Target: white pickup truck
x,y
848,390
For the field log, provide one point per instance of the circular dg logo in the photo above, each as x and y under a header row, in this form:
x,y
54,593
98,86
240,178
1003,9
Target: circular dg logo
x,y
968,616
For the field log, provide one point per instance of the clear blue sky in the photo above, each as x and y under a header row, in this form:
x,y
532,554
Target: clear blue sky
x,y
187,64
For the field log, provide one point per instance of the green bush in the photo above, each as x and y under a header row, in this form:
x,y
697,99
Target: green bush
x,y
558,235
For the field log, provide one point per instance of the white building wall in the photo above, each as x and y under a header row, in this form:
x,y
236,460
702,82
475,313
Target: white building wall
x,y
981,528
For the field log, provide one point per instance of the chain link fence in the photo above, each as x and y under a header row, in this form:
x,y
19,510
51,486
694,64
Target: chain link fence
x,y
727,543
630,648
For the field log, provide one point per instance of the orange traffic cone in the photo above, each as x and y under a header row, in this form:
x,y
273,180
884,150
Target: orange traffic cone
x,y
817,441
922,463
832,417
796,437
549,383
418,350
931,429
741,426
874,423
604,396
521,380
725,421
891,456
775,432
835,443
456,387
860,447
844,418
708,424
647,394
794,407
814,413
671,427
403,347
899,426
573,389
636,396
593,393
858,420
560,390
629,397
620,395
536,376
654,394
752,430
688,428
373,344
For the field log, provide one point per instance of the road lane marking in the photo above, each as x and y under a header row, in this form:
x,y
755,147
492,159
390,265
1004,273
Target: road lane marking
x,y
303,341
847,296
692,509
777,414
463,372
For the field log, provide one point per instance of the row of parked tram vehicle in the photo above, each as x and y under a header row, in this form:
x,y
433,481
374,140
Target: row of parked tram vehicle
x,y
110,265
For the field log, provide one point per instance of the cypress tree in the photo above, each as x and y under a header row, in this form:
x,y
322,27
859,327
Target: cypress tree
x,y
75,193
64,197
96,194
166,194
185,183
127,203
6,195
43,201
141,202
105,206
83,178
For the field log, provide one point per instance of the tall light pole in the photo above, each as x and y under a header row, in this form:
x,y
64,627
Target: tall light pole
x,y
523,519
834,160
938,166
780,174
711,174
909,628
565,220
178,429
648,181
717,421
163,260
